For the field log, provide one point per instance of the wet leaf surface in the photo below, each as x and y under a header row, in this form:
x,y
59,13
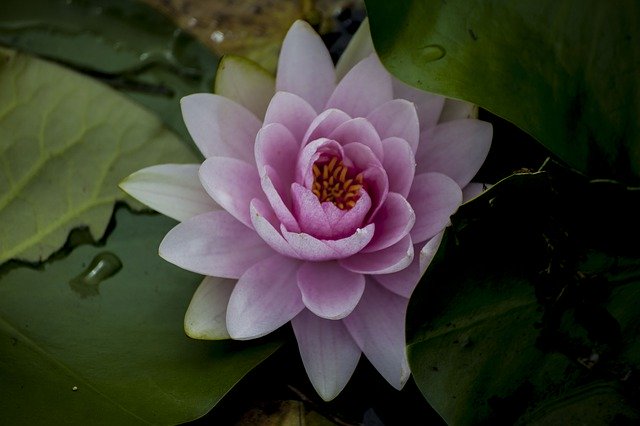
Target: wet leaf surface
x,y
79,347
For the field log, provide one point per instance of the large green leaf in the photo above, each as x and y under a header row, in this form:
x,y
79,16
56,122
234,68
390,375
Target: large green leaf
x,y
108,347
65,143
541,326
121,42
565,72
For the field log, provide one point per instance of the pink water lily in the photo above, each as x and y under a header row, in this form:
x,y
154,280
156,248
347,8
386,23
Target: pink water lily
x,y
322,198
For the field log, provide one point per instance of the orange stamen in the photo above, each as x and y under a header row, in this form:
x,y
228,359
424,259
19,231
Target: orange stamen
x,y
335,183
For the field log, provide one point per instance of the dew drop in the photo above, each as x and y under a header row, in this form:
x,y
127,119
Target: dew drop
x,y
432,52
104,265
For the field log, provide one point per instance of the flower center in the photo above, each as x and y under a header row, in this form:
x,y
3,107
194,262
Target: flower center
x,y
335,183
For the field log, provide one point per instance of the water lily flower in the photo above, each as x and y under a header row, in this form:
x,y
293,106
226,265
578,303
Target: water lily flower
x,y
322,198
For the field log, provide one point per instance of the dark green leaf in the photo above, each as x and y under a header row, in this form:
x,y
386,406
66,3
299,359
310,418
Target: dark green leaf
x,y
565,72
65,143
124,43
528,313
81,349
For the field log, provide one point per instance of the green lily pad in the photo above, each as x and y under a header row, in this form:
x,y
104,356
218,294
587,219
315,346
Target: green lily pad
x,y
542,327
566,73
83,342
65,143
123,43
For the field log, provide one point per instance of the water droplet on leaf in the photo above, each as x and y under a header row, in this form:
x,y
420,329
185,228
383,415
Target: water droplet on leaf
x,y
103,266
432,52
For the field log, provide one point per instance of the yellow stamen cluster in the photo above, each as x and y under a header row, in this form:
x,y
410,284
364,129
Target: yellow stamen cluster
x,y
333,183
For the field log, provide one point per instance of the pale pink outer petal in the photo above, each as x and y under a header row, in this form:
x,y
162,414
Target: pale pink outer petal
x,y
292,112
360,46
455,148
207,312
232,184
278,148
329,353
245,82
455,109
262,218
472,190
397,118
220,127
328,290
365,87
393,222
305,67
385,261
428,252
215,244
377,325
358,130
324,124
265,298
400,165
314,249
171,189
428,105
434,198
404,282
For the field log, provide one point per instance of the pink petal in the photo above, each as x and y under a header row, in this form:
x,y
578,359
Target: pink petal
x,y
277,147
262,218
385,261
305,67
314,249
292,112
309,213
455,148
171,189
325,220
220,127
363,89
345,222
232,184
328,352
397,118
324,124
404,282
265,298
375,177
393,222
455,110
215,244
400,165
377,326
207,312
279,198
328,290
428,105
434,198
310,154
358,130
